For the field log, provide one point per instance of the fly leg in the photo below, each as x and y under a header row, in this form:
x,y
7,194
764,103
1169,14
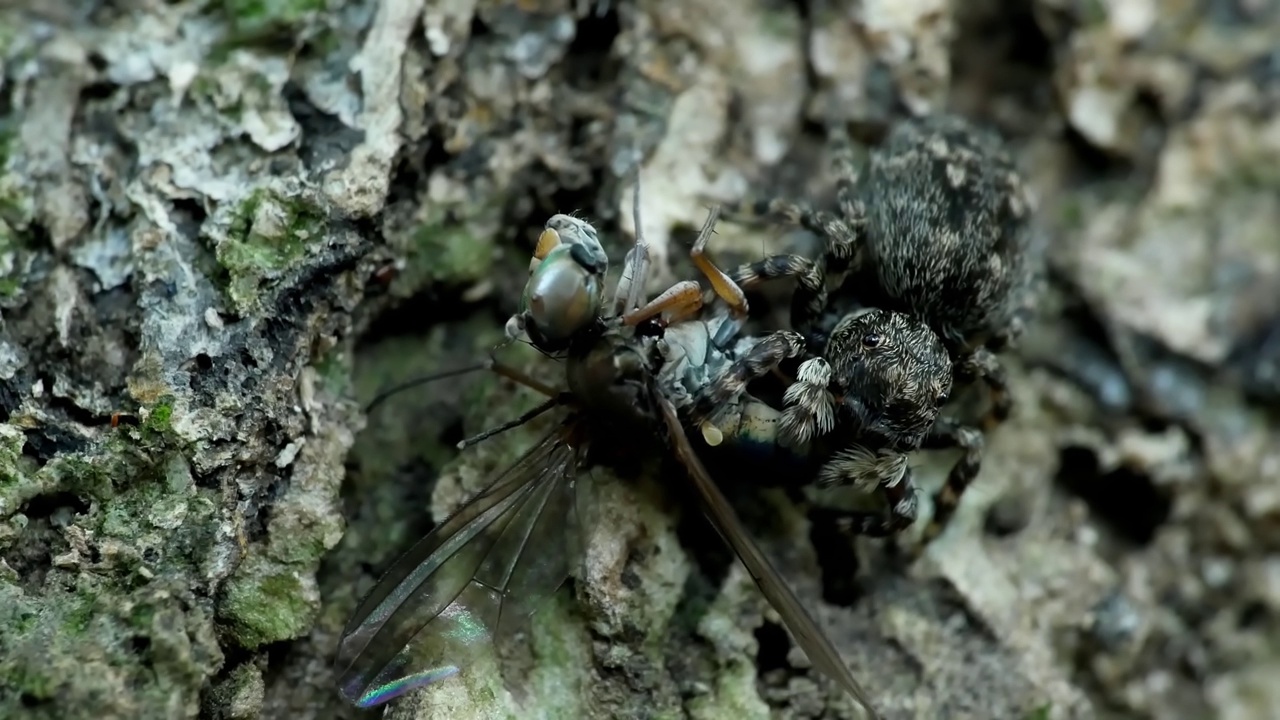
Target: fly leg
x,y
681,301
521,378
723,285
630,293
555,398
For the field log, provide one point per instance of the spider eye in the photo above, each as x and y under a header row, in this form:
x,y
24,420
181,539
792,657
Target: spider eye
x,y
942,399
871,340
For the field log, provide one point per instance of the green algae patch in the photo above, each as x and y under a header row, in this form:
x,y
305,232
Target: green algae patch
x,y
259,16
157,428
450,254
268,236
453,247
265,602
562,648
71,651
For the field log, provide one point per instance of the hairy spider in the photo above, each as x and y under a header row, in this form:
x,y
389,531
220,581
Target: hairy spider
x,y
940,226
874,399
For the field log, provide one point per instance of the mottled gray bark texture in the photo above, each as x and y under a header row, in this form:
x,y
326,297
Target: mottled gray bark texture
x,y
223,226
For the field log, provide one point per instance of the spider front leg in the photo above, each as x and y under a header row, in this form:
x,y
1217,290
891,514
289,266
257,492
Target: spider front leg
x,y
759,361
885,475
982,364
944,435
809,407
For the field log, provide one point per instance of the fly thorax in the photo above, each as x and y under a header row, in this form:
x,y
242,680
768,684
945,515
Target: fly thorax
x,y
563,296
610,381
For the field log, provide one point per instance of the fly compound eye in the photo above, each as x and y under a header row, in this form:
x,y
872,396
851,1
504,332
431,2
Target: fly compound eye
x,y
547,241
562,297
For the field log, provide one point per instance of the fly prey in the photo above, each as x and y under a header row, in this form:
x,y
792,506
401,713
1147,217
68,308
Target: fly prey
x,y
633,369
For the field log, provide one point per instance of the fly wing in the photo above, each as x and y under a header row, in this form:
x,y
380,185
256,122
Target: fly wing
x,y
467,581
803,628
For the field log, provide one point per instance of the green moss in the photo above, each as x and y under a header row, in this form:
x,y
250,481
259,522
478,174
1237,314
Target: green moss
x,y
334,372
256,16
89,475
10,287
265,604
268,235
78,615
1071,212
1093,12
1041,713
73,646
123,516
780,24
562,649
7,134
141,616
33,683
447,253
159,422
10,21
16,210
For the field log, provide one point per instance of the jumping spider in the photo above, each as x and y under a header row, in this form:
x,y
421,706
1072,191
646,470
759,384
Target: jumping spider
x,y
940,227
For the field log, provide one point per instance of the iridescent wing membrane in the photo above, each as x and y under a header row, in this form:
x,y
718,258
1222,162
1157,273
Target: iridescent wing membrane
x,y
470,580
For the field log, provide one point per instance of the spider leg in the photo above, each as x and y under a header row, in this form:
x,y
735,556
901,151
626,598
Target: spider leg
x,y
897,489
946,434
791,212
842,235
841,248
757,362
810,298
982,364
809,409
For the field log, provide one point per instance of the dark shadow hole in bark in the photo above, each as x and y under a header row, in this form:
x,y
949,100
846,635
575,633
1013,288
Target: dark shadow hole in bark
x,y
774,644
48,441
709,553
595,35
324,138
1125,500
837,560
43,506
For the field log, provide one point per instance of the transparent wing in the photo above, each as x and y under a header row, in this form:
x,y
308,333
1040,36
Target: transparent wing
x,y
802,626
468,581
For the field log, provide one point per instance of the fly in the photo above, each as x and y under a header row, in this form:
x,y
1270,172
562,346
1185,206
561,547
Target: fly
x,y
631,368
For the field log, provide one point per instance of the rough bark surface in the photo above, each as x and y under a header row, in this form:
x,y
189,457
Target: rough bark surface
x,y
223,226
